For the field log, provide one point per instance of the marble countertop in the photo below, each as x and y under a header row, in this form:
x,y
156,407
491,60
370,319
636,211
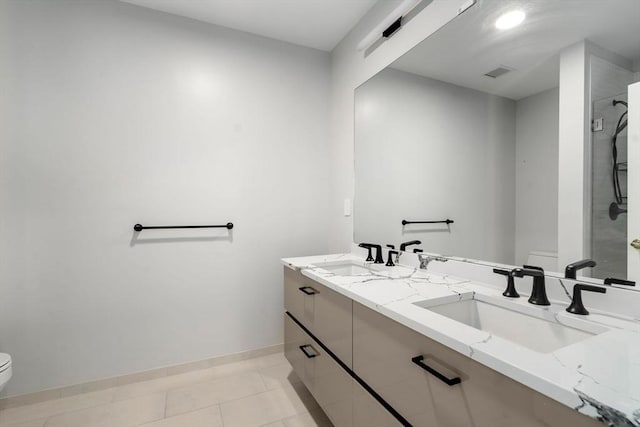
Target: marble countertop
x,y
598,376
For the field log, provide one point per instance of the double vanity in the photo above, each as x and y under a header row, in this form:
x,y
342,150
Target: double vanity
x,y
403,345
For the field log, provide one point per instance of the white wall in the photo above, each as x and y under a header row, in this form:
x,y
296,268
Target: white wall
x,y
349,69
427,149
126,115
536,199
573,176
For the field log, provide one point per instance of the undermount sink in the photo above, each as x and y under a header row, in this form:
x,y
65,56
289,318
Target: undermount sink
x,y
345,268
528,331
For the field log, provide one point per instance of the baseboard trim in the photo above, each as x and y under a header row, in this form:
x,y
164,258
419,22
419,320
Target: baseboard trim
x,y
121,380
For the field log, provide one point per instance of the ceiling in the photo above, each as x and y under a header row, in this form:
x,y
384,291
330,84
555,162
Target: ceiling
x,y
319,24
470,45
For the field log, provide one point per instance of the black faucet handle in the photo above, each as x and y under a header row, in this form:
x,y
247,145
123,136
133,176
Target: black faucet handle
x,y
390,258
527,271
510,292
391,246
417,251
403,246
577,307
368,247
570,270
614,281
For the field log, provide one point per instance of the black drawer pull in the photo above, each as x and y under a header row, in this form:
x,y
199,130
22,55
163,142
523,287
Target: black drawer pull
x,y
418,360
308,290
309,355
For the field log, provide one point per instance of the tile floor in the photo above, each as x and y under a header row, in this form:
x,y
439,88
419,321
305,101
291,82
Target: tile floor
x,y
262,391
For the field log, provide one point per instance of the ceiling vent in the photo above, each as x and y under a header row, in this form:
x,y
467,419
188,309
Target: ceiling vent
x,y
494,74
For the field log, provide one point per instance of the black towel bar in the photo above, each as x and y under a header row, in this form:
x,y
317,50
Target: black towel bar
x,y
446,221
140,227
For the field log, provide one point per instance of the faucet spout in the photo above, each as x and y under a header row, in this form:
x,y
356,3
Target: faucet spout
x,y
426,259
539,291
403,247
570,270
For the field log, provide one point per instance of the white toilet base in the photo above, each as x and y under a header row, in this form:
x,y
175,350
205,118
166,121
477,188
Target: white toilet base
x,y
5,376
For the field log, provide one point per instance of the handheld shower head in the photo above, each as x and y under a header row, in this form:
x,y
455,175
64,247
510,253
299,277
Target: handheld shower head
x,y
615,210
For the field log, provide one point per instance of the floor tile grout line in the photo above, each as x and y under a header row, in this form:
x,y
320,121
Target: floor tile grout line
x,y
223,377
220,403
48,417
215,365
264,383
112,399
255,369
221,417
166,398
152,421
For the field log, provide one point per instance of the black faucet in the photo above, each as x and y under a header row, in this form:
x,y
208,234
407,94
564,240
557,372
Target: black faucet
x,y
570,270
403,246
390,257
378,249
368,248
539,292
576,306
511,287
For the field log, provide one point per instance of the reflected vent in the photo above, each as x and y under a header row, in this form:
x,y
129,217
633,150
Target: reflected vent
x,y
494,74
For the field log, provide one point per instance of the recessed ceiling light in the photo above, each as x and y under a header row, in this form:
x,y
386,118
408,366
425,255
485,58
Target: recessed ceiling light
x,y
510,20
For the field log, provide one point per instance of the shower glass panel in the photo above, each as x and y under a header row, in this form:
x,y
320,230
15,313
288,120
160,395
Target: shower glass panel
x,y
609,186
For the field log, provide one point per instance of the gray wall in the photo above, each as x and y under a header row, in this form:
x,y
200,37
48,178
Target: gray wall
x,y
113,115
536,174
431,150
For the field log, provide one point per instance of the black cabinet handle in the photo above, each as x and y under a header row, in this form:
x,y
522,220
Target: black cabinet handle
x,y
418,360
308,290
309,355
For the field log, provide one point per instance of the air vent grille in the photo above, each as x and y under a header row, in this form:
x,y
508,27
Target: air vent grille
x,y
497,72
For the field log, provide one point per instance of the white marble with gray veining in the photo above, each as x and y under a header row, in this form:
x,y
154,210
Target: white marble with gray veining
x,y
599,376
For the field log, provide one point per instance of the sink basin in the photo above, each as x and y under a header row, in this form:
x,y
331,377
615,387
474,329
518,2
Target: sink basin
x,y
345,268
528,331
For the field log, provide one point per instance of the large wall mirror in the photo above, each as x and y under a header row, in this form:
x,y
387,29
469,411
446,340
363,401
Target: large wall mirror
x,y
478,124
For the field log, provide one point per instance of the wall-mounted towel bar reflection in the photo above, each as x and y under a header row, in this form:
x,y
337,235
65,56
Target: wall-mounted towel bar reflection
x,y
140,227
446,221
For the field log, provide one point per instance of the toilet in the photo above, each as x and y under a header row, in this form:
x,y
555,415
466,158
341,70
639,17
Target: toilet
x,y
5,370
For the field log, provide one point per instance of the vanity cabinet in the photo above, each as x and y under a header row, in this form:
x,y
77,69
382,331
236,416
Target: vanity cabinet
x,y
346,403
342,350
329,384
324,312
395,361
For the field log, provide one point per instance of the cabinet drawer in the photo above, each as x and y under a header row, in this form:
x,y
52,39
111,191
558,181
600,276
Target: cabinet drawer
x,y
299,296
367,412
385,356
324,312
330,385
295,341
